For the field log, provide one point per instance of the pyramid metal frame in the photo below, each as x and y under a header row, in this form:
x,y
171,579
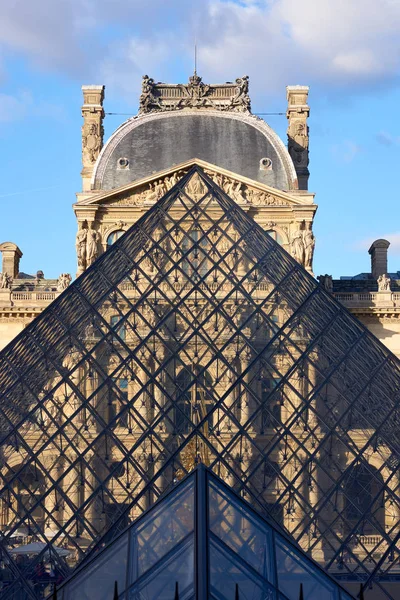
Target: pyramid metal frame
x,y
106,397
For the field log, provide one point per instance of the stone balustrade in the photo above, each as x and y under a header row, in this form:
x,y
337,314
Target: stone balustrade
x,y
369,299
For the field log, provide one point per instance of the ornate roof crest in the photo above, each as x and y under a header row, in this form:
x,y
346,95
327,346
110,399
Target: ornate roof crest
x,y
159,97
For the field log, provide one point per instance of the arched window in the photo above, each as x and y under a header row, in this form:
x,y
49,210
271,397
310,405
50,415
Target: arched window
x,y
114,236
363,500
194,403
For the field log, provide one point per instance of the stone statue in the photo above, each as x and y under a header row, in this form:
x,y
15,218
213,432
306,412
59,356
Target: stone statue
x,y
5,281
147,100
298,143
63,282
241,99
91,141
383,283
80,245
309,245
326,282
92,244
297,246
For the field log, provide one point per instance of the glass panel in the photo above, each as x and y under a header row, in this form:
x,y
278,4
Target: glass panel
x,y
97,580
227,571
294,570
240,530
160,584
163,529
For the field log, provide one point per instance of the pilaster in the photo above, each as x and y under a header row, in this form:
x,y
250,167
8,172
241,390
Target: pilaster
x,y
92,130
298,141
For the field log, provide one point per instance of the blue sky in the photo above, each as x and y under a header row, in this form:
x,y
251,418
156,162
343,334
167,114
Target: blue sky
x,y
348,51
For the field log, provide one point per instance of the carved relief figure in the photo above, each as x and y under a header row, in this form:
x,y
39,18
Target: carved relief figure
x,y
297,246
63,282
5,281
298,143
383,283
92,244
309,245
195,93
91,141
80,245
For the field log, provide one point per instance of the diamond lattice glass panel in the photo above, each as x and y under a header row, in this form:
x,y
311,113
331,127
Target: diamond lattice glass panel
x,y
160,585
197,338
98,580
240,531
227,571
163,529
293,570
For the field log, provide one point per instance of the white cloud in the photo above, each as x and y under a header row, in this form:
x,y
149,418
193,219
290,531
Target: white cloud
x,y
333,42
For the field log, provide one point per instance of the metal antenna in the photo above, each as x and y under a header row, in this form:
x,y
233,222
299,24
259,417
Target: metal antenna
x,y
195,57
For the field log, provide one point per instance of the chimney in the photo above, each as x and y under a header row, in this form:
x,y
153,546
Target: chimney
x,y
11,255
378,252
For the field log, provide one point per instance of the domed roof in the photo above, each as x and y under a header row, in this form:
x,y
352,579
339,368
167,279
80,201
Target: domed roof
x,y
239,142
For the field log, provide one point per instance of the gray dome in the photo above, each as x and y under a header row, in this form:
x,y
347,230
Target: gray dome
x,y
239,143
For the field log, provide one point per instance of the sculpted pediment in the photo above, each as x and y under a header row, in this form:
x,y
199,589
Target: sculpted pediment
x,y
244,191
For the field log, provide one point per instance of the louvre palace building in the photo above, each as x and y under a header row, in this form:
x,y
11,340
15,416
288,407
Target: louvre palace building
x,y
196,414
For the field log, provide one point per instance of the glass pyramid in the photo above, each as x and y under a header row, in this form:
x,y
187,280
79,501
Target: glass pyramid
x,y
197,338
204,539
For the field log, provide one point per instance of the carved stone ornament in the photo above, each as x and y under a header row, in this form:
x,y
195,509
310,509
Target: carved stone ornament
x,y
383,283
157,97
327,282
5,281
63,282
242,194
91,142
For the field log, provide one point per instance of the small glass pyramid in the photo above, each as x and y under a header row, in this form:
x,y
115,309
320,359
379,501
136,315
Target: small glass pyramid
x,y
204,540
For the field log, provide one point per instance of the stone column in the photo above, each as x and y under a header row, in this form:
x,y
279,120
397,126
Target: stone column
x,y
245,412
92,130
297,114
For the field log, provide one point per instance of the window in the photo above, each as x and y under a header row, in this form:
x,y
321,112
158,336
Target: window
x,y
114,236
363,506
121,330
117,402
194,403
270,402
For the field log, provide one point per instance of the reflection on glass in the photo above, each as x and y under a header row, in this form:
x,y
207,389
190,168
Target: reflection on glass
x,y
294,569
163,529
97,580
160,584
239,530
226,572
